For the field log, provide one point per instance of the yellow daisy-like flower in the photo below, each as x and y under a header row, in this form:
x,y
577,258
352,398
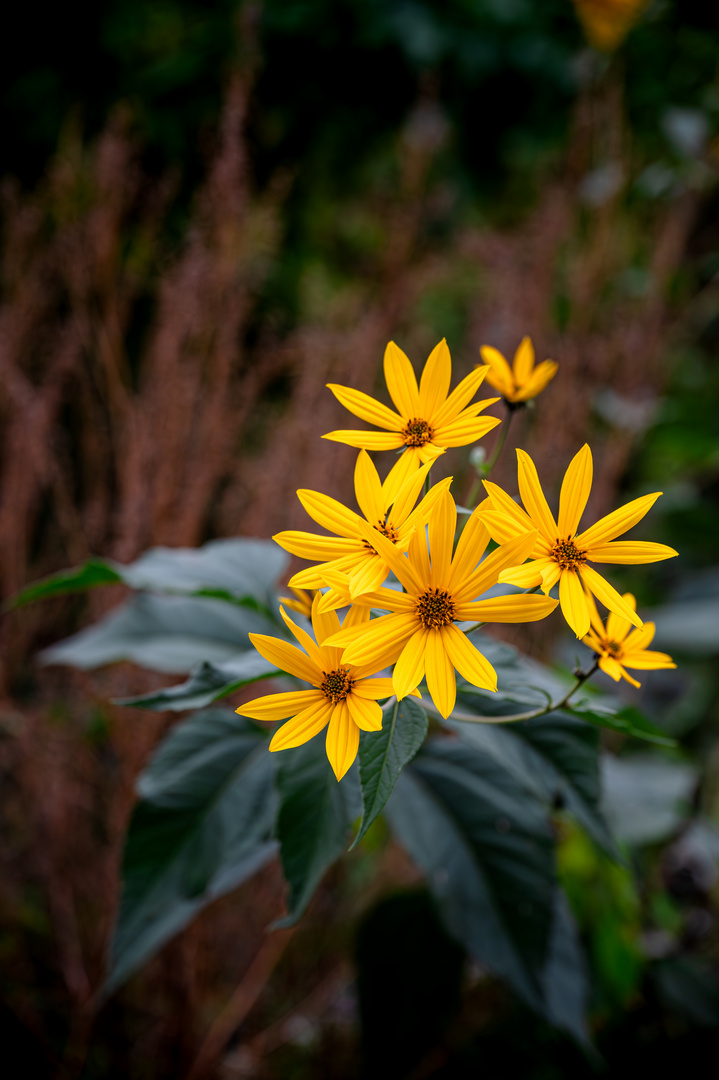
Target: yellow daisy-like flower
x,y
607,22
522,381
301,601
561,554
428,419
388,508
420,633
343,698
618,649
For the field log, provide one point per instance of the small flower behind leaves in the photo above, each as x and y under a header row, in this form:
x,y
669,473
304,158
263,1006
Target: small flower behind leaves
x,y
618,649
522,381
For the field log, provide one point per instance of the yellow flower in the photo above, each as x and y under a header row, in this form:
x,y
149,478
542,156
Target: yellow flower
x,y
343,696
617,649
523,380
607,22
301,602
387,508
420,633
428,419
560,553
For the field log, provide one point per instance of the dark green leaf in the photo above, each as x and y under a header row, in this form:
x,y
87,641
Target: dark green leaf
x,y
164,633
209,683
555,757
629,721
487,849
93,573
689,986
202,826
564,979
383,755
314,818
646,797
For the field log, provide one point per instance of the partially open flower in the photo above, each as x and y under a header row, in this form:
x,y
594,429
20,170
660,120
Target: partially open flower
x,y
522,381
618,649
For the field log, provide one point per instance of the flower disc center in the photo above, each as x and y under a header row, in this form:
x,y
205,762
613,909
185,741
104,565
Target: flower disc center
x,y
567,554
417,432
336,685
435,608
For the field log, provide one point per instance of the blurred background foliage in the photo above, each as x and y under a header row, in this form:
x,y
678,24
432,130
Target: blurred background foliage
x,y
210,210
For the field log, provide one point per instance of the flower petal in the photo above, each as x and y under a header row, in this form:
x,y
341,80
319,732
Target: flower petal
x,y
597,626
471,546
527,576
646,660
423,511
520,607
439,672
329,513
401,382
460,396
318,548
402,487
367,440
366,713
639,639
366,407
342,739
434,384
465,430
287,657
442,527
280,706
630,551
576,487
538,380
324,623
468,660
374,689
500,374
368,489
368,577
619,521
617,626
513,553
303,727
380,639
608,595
611,667
523,363
399,564
574,603
409,669
533,498
308,644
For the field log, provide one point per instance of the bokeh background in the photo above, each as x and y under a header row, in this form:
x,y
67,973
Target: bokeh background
x,y
211,209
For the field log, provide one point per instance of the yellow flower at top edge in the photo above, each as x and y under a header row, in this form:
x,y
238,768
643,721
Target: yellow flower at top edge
x,y
343,698
561,554
607,22
618,649
420,633
428,419
388,508
522,381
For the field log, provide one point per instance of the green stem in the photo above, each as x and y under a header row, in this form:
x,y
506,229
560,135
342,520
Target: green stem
x,y
489,465
535,713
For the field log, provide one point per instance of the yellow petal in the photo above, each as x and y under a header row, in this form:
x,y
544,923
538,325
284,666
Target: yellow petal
x,y
649,661
399,564
503,528
520,607
538,380
381,637
419,555
409,668
611,667
434,384
619,521
324,623
366,440
342,739
533,498
526,577
318,548
402,471
618,627
442,527
513,553
374,689
462,431
286,657
401,382
307,579
329,513
629,679
460,396
500,374
366,713
366,407
608,595
307,643
406,496
504,504
469,661
368,489
594,618
471,546
523,364
423,511
574,603
640,639
630,551
576,487
368,577
550,577
439,671
280,706
356,616
303,727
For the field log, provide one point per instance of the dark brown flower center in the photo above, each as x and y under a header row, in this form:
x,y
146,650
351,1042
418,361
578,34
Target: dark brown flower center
x,y
417,432
435,608
614,648
336,685
387,529
568,555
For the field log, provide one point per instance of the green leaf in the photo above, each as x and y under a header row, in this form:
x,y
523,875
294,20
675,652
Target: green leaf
x,y
629,721
486,846
383,755
164,633
315,816
202,826
93,573
555,758
647,797
207,684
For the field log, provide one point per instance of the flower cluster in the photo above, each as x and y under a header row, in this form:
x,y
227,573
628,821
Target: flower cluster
x,y
411,595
